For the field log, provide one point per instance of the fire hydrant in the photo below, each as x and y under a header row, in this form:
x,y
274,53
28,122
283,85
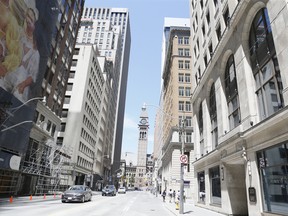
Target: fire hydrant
x,y
177,205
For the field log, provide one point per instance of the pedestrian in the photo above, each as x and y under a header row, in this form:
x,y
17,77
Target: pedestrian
x,y
174,195
164,195
170,193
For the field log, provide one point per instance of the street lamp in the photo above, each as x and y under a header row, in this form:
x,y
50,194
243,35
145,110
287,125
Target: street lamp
x,y
15,109
181,206
182,129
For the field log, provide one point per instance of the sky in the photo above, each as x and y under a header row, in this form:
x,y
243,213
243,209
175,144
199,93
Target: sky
x,y
144,75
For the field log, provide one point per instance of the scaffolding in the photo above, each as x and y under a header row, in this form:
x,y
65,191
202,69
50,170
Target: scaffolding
x,y
48,162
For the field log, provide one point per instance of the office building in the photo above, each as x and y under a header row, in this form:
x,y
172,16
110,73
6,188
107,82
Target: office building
x,y
103,27
36,125
174,117
239,99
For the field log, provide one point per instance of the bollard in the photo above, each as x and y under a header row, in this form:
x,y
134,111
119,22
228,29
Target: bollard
x,y
44,196
11,199
30,198
54,195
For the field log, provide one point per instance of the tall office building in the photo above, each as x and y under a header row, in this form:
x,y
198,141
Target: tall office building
x,y
44,69
175,114
240,105
85,126
102,31
102,46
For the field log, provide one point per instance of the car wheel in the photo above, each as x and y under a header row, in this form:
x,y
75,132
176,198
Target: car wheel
x,y
90,198
63,201
83,199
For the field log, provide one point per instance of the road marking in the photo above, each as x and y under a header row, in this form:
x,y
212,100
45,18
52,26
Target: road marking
x,y
127,207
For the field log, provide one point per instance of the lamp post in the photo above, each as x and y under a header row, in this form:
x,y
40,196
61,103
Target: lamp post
x,y
15,109
181,206
182,129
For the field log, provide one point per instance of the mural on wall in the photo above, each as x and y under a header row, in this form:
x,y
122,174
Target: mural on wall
x,y
25,40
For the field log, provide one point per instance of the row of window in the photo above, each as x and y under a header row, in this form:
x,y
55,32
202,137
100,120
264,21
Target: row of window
x,y
267,79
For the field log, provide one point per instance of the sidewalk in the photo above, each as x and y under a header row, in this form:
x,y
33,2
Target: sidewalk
x,y
27,199
189,208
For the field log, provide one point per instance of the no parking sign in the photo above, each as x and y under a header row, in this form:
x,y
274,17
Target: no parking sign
x,y
184,159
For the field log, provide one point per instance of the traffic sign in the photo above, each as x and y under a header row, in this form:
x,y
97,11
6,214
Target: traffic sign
x,y
184,159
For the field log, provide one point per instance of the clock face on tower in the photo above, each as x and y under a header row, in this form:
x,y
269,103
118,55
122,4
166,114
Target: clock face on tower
x,y
143,121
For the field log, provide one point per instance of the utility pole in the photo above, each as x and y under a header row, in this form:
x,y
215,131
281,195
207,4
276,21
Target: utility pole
x,y
181,206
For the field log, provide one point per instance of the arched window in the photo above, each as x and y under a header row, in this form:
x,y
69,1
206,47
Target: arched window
x,y
200,120
265,66
213,116
231,91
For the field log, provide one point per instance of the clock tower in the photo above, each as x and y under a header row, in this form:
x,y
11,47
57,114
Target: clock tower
x,y
142,149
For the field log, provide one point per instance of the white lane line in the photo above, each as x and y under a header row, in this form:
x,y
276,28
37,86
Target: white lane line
x,y
127,207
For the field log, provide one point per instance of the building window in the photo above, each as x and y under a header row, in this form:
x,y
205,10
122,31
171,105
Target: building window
x,y
186,40
214,174
69,87
205,60
67,99
76,51
180,52
74,63
181,105
273,168
218,32
181,78
187,65
180,64
187,106
64,113
203,30
188,121
213,116
181,91
265,66
187,52
62,127
187,78
200,120
208,18
180,40
231,91
210,47
226,17
187,91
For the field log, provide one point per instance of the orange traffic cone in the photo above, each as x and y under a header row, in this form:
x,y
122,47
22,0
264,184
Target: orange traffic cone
x,y
30,198
11,199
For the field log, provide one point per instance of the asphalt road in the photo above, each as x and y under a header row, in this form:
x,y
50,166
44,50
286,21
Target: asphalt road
x,y
133,203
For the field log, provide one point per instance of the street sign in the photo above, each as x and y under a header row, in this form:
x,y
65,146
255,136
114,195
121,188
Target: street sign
x,y
184,159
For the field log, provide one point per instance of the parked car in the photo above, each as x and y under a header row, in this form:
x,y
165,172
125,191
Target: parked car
x,y
77,193
122,190
109,190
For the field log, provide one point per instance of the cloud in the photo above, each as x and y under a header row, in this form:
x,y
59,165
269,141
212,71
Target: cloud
x,y
129,123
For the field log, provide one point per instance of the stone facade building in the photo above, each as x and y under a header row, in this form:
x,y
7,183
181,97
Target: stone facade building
x,y
239,100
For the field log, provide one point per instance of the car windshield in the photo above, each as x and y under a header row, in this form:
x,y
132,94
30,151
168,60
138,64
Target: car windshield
x,y
109,186
76,188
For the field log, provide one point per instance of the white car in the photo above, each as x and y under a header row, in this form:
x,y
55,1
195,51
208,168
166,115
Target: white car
x,y
122,190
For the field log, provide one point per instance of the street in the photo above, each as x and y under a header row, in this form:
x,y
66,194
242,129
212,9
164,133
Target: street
x,y
132,203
